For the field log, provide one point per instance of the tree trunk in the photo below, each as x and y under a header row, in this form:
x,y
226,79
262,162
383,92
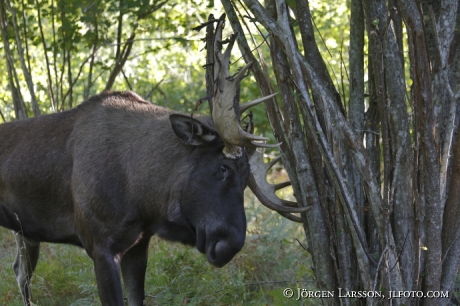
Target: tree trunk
x,y
377,170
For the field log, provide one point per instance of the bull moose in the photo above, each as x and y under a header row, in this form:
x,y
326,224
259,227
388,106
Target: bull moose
x,y
115,170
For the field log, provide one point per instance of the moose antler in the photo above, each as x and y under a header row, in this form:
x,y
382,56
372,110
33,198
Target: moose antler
x,y
226,111
265,191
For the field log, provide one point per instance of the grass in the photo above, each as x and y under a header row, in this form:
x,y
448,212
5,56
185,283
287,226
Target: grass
x,y
177,275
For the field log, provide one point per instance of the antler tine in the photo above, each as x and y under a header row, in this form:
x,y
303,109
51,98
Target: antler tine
x,y
282,185
222,59
291,217
265,192
290,203
229,48
242,73
270,164
245,106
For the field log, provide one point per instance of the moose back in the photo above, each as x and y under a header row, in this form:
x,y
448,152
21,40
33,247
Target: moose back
x,y
111,173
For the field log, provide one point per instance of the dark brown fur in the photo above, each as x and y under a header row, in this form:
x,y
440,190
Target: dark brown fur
x,y
109,174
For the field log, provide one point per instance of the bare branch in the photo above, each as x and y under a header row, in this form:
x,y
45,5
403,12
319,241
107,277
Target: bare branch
x,y
45,48
25,70
18,101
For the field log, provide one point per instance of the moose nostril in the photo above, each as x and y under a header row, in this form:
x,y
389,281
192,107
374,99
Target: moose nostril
x,y
223,244
212,254
217,255
222,252
220,247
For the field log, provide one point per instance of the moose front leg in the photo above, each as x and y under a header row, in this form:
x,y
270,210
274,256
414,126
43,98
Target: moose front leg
x,y
107,278
24,265
133,267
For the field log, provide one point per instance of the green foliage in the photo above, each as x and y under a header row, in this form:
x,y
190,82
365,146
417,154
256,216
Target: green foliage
x,y
83,41
331,20
74,46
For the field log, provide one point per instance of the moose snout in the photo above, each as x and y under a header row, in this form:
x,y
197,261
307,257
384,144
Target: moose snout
x,y
221,250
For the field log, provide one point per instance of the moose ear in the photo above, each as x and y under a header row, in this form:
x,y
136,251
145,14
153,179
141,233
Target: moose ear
x,y
192,131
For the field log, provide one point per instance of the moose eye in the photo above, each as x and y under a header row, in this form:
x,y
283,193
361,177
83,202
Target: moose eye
x,y
223,169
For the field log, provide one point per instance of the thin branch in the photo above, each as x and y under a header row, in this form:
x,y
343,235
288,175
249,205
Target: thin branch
x,y
177,38
48,72
120,61
401,252
126,80
69,78
94,49
58,89
65,54
321,36
1,115
25,34
78,75
119,29
147,96
382,256
18,101
25,70
303,247
153,7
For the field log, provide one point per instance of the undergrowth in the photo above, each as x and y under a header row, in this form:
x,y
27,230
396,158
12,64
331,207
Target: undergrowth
x,y
270,261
